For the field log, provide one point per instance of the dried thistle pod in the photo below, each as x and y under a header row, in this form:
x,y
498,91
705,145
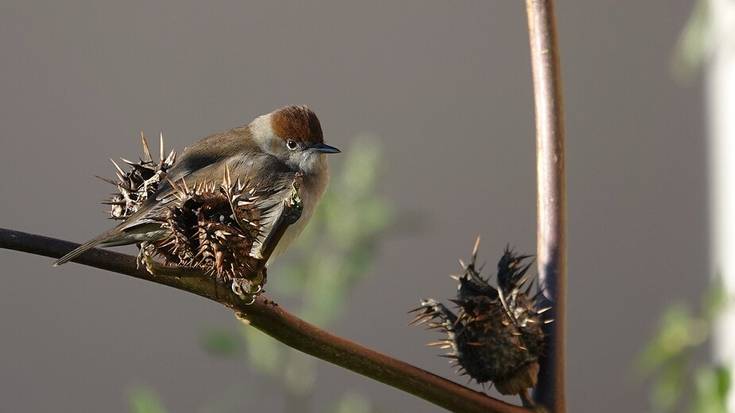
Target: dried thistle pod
x,y
139,182
496,333
227,230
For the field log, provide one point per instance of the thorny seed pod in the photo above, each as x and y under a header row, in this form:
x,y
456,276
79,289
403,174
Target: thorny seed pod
x,y
139,182
496,334
227,229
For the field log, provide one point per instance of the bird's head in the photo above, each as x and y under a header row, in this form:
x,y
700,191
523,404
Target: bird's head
x,y
293,134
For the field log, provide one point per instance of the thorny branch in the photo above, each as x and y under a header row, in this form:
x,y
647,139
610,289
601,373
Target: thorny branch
x,y
270,318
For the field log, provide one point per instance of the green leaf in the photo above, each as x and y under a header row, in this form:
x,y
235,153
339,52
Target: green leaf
x,y
711,387
353,403
679,332
715,300
300,373
143,400
221,343
694,42
264,353
668,389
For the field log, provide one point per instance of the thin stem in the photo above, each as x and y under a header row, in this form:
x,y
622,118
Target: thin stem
x,y
278,323
551,195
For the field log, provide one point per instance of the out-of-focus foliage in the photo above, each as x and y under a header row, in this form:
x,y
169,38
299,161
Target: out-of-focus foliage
x,y
670,355
353,403
711,387
694,43
221,342
333,254
144,400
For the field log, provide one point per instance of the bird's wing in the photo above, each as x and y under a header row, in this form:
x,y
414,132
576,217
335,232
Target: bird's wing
x,y
211,150
261,171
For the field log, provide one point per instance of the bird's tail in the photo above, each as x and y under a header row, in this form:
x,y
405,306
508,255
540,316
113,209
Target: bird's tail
x,y
110,238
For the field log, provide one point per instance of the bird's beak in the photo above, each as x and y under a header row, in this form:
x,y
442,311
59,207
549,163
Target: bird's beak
x,y
324,148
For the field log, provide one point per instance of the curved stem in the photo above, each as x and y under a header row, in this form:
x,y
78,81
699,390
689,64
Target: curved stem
x,y
270,318
550,195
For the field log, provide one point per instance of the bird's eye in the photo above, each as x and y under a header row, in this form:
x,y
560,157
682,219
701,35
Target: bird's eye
x,y
291,144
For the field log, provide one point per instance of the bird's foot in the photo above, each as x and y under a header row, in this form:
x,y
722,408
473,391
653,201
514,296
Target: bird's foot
x,y
249,289
144,256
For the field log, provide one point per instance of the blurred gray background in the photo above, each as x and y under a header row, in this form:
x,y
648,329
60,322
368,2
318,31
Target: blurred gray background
x,y
446,87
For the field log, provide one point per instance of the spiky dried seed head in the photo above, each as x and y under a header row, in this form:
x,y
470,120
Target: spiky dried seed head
x,y
496,333
221,230
139,182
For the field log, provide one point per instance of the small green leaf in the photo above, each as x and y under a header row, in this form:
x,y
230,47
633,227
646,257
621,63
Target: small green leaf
x,y
221,343
668,389
300,373
144,400
711,387
715,300
694,42
679,331
264,352
353,403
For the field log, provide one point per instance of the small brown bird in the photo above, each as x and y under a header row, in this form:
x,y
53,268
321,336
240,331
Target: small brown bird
x,y
270,151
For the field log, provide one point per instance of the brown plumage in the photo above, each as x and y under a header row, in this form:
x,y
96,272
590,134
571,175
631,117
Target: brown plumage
x,y
299,123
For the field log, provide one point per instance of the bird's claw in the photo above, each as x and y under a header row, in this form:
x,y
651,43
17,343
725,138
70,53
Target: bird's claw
x,y
249,289
148,263
243,290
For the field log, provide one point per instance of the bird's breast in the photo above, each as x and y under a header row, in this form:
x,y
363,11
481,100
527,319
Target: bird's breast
x,y
311,192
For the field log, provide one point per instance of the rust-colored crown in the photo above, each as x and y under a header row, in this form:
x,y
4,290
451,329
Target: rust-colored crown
x,y
298,123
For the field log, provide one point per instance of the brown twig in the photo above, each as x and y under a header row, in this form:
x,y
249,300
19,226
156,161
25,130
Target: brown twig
x,y
278,323
551,194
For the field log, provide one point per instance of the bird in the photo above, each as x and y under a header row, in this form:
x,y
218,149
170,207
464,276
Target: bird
x,y
272,149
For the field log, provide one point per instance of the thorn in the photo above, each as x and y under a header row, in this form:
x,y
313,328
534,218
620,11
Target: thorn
x,y
440,343
109,181
173,185
476,247
416,309
420,319
525,268
226,180
117,167
146,148
171,158
160,143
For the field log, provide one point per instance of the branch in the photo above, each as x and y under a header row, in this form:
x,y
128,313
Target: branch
x,y
270,318
551,194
